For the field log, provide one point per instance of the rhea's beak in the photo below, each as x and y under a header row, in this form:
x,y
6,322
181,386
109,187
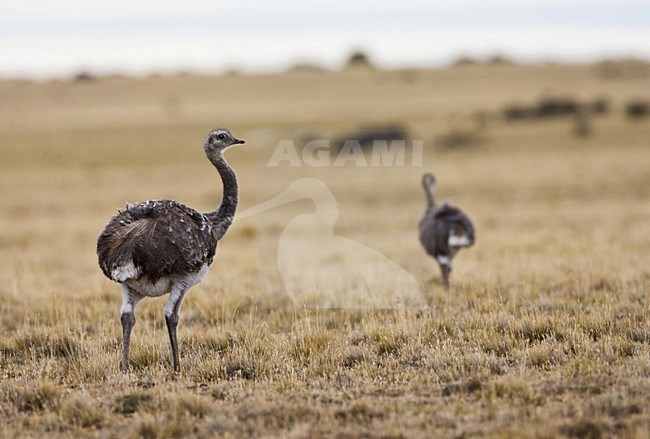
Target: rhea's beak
x,y
237,141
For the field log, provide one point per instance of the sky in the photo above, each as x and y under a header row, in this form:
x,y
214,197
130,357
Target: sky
x,y
42,39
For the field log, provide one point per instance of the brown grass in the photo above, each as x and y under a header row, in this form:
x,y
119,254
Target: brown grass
x,y
546,331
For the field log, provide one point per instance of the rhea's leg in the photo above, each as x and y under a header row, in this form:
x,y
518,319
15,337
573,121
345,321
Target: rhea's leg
x,y
172,318
445,269
446,275
129,300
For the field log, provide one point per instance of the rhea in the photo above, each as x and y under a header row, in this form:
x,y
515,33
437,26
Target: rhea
x,y
163,247
444,229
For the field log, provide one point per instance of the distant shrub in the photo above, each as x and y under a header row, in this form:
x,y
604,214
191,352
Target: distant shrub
x,y
359,59
553,107
637,109
84,76
499,60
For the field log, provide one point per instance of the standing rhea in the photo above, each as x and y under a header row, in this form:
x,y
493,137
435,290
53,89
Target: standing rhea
x,y
444,229
158,247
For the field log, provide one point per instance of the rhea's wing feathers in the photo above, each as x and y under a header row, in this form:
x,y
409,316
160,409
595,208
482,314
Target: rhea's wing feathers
x,y
159,237
115,244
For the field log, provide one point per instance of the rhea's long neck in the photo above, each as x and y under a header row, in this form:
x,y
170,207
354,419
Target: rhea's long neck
x,y
222,217
431,201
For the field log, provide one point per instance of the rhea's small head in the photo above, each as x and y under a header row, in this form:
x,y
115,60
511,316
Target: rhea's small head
x,y
428,180
219,139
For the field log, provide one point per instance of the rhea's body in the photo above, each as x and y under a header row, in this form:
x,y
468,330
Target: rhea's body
x,y
140,246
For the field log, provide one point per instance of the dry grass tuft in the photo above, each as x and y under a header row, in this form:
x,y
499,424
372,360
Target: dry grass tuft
x,y
82,411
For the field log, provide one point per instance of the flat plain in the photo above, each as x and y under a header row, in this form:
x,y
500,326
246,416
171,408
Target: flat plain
x,y
544,333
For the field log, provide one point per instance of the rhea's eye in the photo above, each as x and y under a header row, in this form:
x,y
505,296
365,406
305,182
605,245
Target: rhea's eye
x,y
221,136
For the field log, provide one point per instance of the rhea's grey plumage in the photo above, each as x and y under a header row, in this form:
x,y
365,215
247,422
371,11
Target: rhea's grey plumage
x,y
444,229
164,247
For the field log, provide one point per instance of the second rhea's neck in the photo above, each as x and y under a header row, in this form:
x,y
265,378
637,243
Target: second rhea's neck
x,y
431,200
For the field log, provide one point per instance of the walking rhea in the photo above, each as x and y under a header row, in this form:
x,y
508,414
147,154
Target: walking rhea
x,y
163,247
444,229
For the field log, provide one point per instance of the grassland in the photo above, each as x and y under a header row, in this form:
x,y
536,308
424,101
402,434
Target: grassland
x,y
545,333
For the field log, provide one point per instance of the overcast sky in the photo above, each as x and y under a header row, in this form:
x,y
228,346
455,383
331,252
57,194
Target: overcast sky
x,y
46,38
